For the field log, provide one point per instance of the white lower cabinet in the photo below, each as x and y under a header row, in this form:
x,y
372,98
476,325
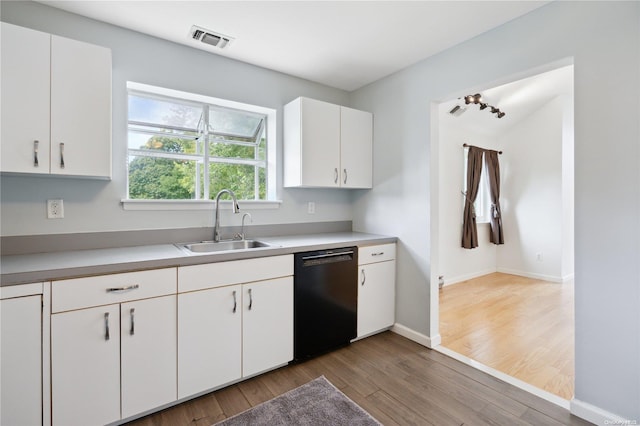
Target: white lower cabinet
x,y
85,360
209,339
21,361
115,360
235,320
376,288
148,354
267,329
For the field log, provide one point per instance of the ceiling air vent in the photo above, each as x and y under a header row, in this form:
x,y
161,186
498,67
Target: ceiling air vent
x,y
210,37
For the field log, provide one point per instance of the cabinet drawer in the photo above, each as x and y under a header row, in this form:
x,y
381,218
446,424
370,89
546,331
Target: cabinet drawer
x,y
200,277
378,253
81,293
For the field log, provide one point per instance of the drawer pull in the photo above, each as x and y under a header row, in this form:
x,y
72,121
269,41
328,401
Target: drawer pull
x,y
345,176
364,277
380,253
122,289
335,175
235,302
250,300
106,326
132,330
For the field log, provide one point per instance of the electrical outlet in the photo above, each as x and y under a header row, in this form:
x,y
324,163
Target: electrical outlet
x,y
311,207
55,209
539,257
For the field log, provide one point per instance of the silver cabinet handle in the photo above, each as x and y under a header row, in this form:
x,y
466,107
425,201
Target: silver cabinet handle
x,y
132,330
106,326
364,278
250,300
35,153
62,156
122,289
380,253
235,302
335,175
345,175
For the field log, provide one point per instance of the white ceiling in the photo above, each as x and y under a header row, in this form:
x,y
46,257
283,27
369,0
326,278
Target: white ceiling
x,y
343,44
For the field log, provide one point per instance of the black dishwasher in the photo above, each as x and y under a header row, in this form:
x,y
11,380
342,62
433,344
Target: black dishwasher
x,y
325,300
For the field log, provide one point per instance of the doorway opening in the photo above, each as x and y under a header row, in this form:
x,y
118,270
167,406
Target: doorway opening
x,y
509,308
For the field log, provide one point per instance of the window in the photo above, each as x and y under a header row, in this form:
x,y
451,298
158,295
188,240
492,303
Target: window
x,y
188,147
482,204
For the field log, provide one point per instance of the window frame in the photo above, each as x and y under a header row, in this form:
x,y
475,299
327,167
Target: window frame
x,y
269,132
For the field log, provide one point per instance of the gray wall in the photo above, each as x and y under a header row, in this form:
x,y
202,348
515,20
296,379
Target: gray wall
x,y
94,206
603,38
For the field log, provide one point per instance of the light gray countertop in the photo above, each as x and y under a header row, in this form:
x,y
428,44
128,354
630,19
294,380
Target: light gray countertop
x,y
30,268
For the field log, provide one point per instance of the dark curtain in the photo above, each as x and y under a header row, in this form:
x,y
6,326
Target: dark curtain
x,y
493,173
474,169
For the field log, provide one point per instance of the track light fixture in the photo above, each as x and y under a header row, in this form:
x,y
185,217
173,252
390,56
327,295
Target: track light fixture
x,y
473,99
477,99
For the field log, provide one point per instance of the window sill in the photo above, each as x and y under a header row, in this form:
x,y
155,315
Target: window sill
x,y
160,205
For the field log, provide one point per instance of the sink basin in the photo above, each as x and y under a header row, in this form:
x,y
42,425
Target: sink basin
x,y
211,247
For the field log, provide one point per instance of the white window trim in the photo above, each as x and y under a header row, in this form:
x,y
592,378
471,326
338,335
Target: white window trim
x,y
272,201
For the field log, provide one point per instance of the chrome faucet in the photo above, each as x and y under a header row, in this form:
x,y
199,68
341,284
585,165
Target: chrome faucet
x,y
234,206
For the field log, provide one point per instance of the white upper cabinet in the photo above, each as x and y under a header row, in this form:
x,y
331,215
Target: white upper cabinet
x,y
327,145
80,108
56,105
356,148
25,97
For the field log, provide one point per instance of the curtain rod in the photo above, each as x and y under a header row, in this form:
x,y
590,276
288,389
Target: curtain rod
x,y
467,146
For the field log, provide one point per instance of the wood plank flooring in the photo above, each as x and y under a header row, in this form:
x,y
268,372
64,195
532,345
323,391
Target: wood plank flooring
x,y
519,326
396,380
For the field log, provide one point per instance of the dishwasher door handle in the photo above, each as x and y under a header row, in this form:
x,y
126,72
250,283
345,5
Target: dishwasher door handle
x,y
322,256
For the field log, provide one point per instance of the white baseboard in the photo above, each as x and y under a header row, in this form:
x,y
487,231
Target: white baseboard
x,y
419,338
550,278
595,415
465,277
568,277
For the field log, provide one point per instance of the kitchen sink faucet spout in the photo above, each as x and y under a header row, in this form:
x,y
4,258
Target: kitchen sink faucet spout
x,y
234,206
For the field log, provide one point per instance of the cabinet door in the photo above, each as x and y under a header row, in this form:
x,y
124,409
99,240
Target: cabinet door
x,y
80,108
25,99
267,338
148,354
21,361
376,297
312,143
209,339
356,148
85,366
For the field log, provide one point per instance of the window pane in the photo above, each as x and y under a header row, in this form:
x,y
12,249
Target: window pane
x,y
164,112
232,151
153,178
239,178
233,123
171,144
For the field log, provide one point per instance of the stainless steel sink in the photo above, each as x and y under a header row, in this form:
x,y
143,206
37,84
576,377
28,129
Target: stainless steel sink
x,y
211,246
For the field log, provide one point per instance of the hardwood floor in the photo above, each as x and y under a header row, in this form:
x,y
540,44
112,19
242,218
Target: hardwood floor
x,y
519,326
396,380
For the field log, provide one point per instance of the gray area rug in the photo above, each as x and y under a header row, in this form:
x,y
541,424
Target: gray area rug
x,y
316,403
